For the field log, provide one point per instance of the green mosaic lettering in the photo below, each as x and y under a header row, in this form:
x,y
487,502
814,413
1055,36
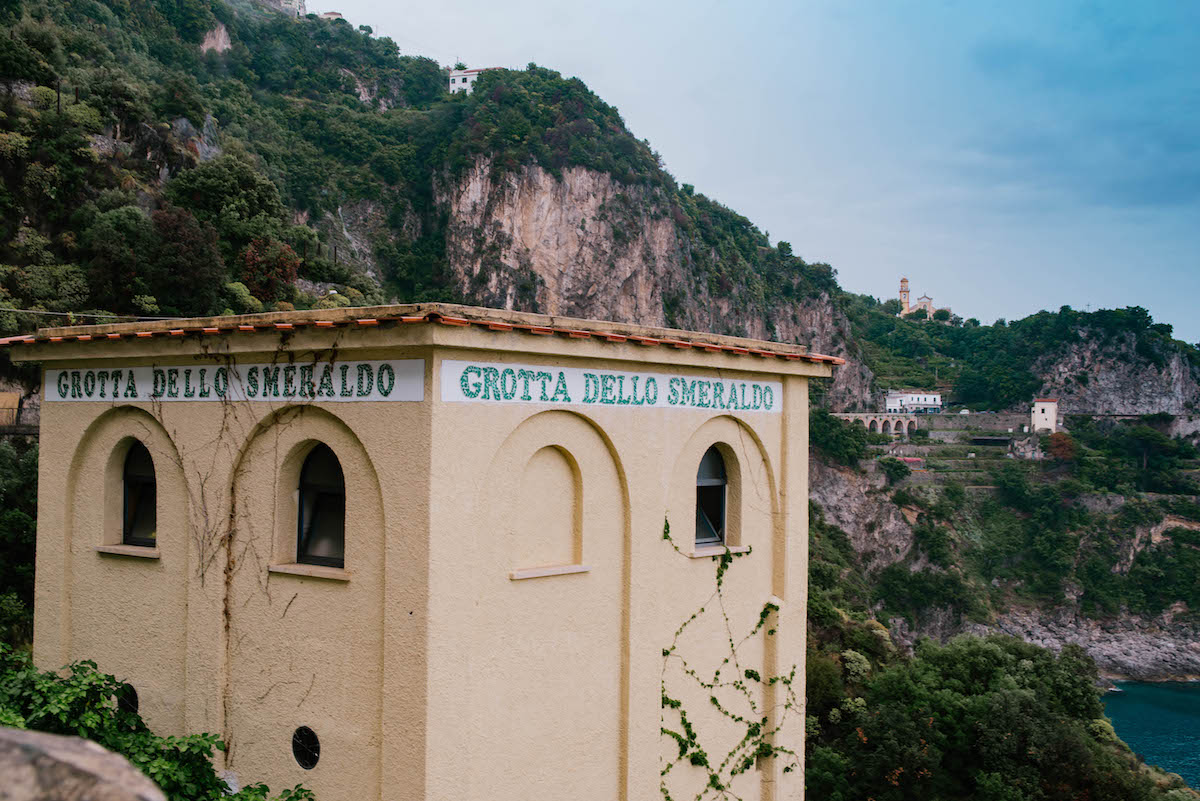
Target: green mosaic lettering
x,y
308,389
115,375
651,398
385,370
76,390
221,381
525,375
366,380
89,383
205,391
608,387
560,388
470,389
188,390
505,376
768,398
491,383
62,385
544,378
591,387
252,382
103,374
289,381
325,388
672,391
131,387
173,382
718,396
270,382
687,397
346,390
621,399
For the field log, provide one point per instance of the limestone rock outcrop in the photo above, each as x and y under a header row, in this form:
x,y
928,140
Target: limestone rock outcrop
x,y
1112,378
588,246
856,503
35,766
1126,647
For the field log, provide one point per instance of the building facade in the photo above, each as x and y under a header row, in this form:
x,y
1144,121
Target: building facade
x,y
1044,416
464,80
430,552
913,402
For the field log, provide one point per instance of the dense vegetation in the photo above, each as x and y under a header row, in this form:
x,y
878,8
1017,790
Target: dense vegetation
x,y
976,718
110,198
86,703
18,511
992,366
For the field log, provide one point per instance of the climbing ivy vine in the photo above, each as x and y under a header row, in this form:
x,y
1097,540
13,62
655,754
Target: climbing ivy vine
x,y
758,740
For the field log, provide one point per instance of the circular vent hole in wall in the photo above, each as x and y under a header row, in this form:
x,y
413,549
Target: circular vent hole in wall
x,y
306,747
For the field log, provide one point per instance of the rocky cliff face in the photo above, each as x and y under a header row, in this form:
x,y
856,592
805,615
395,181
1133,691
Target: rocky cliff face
x,y
856,503
1091,377
588,246
1127,647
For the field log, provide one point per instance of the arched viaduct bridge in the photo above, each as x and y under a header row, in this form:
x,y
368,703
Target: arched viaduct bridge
x,y
876,422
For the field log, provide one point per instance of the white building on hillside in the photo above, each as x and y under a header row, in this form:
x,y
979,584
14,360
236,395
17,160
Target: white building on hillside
x,y
464,80
1044,415
913,402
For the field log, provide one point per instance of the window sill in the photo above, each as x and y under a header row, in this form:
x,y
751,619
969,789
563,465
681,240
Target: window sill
x,y
708,551
136,551
312,571
541,572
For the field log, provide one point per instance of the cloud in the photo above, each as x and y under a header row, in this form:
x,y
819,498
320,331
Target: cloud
x,y
1109,118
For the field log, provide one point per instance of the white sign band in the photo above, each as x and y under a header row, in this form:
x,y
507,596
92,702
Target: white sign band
x,y
488,382
337,382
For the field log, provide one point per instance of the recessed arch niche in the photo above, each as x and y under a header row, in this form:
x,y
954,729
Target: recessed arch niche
x,y
540,630
127,612
329,621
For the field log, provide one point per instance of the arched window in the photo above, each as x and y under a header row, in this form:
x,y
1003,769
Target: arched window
x,y
321,529
710,499
141,502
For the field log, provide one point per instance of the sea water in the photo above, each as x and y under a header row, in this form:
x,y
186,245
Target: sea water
x,y
1161,722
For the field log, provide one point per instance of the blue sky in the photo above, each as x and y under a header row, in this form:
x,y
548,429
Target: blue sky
x,y
1005,159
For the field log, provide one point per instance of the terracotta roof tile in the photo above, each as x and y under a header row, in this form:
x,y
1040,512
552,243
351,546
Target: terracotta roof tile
x,y
445,314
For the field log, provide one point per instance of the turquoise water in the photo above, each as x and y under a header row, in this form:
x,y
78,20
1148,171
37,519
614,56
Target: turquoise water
x,y
1161,722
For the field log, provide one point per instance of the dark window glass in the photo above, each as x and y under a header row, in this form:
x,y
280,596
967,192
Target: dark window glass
x,y
321,534
306,748
141,501
710,499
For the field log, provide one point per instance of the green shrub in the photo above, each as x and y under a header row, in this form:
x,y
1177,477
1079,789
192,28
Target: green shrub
x,y
85,702
894,469
840,441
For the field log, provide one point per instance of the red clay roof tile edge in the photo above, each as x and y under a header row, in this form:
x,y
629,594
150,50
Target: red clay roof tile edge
x,y
434,315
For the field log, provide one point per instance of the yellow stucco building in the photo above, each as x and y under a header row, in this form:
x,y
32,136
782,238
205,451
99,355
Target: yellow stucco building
x,y
436,552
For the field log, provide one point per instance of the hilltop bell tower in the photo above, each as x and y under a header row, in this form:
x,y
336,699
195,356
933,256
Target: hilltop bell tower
x,y
904,296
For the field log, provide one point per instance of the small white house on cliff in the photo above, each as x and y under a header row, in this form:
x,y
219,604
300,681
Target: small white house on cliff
x,y
464,80
1044,415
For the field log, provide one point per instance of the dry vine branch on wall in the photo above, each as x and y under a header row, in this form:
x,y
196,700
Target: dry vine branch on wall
x,y
758,741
